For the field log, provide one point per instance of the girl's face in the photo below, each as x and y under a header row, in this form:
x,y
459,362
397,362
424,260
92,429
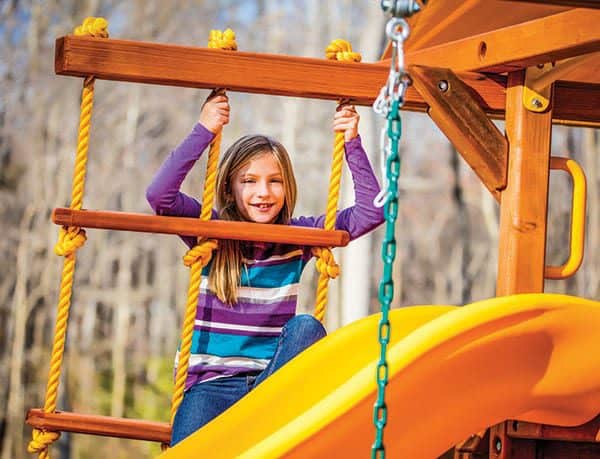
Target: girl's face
x,y
258,189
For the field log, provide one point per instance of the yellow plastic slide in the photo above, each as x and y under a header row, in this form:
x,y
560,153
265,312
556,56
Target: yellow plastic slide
x,y
453,371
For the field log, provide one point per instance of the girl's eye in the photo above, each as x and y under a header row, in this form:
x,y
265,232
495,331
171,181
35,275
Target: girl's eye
x,y
248,181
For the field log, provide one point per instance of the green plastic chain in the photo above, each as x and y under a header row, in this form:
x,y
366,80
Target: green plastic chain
x,y
386,287
388,104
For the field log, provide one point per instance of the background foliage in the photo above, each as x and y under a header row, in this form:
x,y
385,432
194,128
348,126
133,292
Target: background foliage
x,y
130,288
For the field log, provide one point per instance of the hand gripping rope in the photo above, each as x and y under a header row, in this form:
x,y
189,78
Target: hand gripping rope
x,y
70,239
339,50
388,104
199,256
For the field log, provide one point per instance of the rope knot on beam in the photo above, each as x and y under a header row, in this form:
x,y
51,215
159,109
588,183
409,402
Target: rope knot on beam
x,y
218,39
341,50
92,27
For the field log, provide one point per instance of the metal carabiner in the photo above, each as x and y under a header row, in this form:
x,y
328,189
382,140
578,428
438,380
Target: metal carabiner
x,y
397,29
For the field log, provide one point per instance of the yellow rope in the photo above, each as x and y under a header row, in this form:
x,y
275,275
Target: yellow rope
x,y
199,256
93,27
222,40
70,240
339,50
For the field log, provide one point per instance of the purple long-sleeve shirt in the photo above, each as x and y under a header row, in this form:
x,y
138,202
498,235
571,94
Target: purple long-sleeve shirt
x,y
241,338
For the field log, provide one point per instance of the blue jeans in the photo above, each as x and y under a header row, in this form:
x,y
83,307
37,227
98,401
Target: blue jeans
x,y
205,401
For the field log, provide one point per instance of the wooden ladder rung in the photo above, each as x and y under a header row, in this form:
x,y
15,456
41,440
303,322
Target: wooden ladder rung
x,y
135,429
218,229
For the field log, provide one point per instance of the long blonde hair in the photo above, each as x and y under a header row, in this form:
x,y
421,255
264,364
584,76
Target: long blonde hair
x,y
225,273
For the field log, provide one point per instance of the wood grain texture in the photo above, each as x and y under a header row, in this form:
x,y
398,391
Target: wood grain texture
x,y
133,429
448,20
587,432
547,39
569,3
218,229
174,65
524,202
504,447
459,116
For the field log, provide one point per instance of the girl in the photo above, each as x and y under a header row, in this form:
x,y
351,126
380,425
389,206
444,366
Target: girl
x,y
246,326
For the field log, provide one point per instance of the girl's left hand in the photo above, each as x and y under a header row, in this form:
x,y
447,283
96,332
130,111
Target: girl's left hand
x,y
346,120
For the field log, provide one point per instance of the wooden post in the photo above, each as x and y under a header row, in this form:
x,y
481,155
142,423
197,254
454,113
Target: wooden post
x,y
524,202
523,212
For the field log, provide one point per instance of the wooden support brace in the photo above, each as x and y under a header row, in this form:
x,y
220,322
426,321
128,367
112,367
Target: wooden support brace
x,y
218,229
133,429
458,113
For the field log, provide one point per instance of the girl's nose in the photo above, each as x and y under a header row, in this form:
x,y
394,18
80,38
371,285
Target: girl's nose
x,y
263,189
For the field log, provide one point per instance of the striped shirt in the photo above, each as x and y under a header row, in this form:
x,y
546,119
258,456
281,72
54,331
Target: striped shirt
x,y
241,338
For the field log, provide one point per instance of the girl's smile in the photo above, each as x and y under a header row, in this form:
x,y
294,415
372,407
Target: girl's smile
x,y
258,189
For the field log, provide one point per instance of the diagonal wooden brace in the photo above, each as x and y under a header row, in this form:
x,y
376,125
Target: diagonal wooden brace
x,y
458,114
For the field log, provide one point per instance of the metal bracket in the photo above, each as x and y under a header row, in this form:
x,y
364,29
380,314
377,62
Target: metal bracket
x,y
539,79
536,97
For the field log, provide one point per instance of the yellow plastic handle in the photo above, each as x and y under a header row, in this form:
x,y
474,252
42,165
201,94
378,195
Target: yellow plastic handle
x,y
577,219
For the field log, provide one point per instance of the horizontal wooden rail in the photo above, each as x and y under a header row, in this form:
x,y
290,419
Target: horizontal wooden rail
x,y
192,66
218,229
588,432
176,65
107,426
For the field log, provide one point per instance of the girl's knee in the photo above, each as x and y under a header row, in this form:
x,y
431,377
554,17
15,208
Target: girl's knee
x,y
307,325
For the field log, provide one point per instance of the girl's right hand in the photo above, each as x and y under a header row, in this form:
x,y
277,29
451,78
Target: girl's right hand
x,y
215,112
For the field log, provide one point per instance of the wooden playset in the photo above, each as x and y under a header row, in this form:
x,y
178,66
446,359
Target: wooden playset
x,y
517,376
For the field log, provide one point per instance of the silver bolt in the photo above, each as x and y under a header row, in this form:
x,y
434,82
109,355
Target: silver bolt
x,y
537,103
498,445
400,8
443,85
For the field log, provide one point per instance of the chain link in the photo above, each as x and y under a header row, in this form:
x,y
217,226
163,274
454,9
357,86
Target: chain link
x,y
388,104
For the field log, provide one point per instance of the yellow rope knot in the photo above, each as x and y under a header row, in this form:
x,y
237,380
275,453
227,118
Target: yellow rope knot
x,y
222,40
41,440
341,50
201,252
69,240
326,262
92,27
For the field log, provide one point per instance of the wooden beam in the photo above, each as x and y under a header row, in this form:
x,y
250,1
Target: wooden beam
x,y
154,63
538,41
133,429
175,65
571,3
218,229
449,20
504,447
588,432
459,116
